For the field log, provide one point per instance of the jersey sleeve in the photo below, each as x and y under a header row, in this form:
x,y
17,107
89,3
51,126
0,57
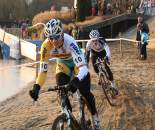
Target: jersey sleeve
x,y
44,57
107,49
79,60
88,49
88,46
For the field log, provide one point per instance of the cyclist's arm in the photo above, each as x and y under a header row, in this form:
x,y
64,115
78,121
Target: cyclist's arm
x,y
45,54
88,48
79,60
107,49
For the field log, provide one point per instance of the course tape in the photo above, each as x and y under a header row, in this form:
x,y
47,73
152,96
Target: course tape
x,y
53,59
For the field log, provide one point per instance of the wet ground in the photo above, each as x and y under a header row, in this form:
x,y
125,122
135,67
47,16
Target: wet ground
x,y
13,79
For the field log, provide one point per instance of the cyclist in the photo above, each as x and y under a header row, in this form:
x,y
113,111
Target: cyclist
x,y
98,47
70,60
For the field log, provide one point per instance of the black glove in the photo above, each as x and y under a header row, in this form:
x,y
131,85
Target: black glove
x,y
75,82
73,85
107,60
34,93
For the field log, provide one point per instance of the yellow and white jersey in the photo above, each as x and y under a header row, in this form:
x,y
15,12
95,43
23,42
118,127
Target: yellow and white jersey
x,y
68,51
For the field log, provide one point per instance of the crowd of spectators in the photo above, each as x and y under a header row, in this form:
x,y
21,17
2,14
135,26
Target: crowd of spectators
x,y
101,7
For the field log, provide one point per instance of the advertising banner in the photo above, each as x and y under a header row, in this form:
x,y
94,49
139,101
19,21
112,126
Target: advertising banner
x,y
13,42
28,50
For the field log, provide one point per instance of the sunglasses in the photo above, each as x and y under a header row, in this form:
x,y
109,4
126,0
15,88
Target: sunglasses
x,y
56,37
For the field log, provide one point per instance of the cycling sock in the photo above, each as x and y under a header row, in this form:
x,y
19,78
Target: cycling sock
x,y
113,84
96,122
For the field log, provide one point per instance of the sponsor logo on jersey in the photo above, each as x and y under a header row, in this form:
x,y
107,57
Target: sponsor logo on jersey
x,y
75,48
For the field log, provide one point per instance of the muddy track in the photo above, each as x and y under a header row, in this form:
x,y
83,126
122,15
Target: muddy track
x,y
136,111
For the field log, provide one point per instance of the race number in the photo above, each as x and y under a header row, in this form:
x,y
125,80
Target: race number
x,y
78,59
43,66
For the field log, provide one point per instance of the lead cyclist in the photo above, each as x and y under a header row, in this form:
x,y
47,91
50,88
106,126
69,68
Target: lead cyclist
x,y
70,60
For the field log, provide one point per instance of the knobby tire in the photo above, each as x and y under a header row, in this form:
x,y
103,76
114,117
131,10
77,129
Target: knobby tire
x,y
63,120
104,85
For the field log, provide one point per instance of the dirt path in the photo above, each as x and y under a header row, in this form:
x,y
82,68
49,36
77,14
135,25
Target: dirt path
x,y
136,81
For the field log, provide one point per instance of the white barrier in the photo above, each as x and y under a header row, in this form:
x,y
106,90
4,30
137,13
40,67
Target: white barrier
x,y
18,47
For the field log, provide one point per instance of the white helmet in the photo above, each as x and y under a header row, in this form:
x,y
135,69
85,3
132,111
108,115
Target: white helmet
x,y
94,34
53,28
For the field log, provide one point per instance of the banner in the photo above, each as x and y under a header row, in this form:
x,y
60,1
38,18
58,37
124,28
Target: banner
x,y
15,48
28,50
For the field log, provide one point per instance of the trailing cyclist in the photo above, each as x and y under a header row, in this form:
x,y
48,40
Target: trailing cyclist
x,y
98,47
70,61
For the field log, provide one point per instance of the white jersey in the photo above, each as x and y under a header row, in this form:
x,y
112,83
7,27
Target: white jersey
x,y
98,46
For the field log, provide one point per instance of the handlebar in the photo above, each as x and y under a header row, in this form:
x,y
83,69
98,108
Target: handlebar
x,y
56,88
99,61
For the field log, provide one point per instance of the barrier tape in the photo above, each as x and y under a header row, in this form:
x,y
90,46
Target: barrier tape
x,y
26,64
53,59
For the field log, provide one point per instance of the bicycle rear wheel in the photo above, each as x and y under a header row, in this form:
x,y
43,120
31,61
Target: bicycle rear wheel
x,y
60,123
109,94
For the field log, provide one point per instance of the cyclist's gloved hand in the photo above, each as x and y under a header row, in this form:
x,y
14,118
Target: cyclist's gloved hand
x,y
73,85
34,93
107,59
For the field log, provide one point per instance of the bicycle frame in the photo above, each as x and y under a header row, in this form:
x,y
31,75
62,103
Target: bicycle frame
x,y
100,63
103,77
65,110
69,117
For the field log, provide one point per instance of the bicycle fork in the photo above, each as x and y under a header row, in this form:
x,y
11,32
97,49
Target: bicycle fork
x,y
81,112
68,115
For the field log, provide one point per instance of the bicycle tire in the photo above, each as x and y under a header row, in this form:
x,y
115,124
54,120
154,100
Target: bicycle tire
x,y
87,121
107,91
64,126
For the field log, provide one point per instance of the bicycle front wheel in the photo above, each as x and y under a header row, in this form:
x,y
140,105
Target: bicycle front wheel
x,y
60,123
86,122
109,94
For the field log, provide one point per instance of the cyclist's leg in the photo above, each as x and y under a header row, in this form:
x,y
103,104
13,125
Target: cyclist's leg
x,y
111,79
84,89
110,74
93,59
63,77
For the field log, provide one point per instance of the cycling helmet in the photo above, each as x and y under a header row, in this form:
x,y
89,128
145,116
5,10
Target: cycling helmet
x,y
53,28
94,35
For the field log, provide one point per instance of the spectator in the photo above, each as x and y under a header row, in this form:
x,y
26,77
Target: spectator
x,y
108,9
143,24
144,43
142,37
81,36
70,30
24,30
94,8
75,32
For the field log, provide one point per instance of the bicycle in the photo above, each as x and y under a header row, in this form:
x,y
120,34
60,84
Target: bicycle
x,y
66,120
109,92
